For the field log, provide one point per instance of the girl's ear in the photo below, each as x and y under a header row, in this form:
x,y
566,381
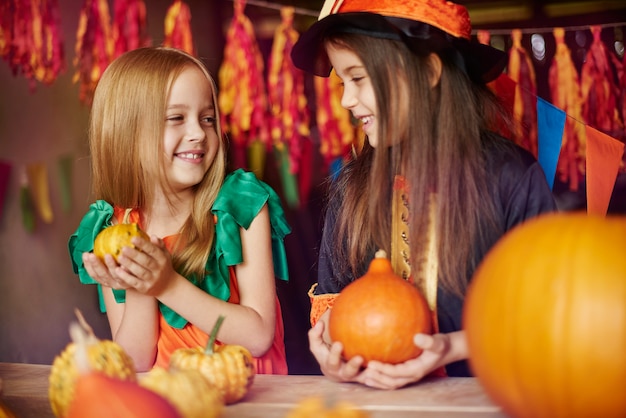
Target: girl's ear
x,y
434,65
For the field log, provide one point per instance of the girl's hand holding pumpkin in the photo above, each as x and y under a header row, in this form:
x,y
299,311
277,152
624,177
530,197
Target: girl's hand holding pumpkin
x,y
147,268
439,350
329,357
103,271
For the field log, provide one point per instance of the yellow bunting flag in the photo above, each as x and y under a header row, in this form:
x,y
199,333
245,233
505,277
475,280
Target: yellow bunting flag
x,y
38,183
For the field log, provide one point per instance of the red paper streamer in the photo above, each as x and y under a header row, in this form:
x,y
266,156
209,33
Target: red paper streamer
x,y
30,39
242,96
338,135
565,93
521,71
599,89
178,27
94,47
289,115
129,26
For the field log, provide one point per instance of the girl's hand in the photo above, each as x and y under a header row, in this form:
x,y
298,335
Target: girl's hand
x,y
103,272
147,268
437,353
330,360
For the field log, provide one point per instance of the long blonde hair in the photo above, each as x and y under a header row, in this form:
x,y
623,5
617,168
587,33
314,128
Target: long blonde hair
x,y
126,131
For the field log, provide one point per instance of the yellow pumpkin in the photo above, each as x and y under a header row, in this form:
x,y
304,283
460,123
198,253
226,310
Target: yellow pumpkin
x,y
318,407
187,389
112,239
228,367
545,318
104,356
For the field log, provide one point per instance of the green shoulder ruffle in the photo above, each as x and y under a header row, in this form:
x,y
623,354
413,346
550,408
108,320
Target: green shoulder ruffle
x,y
239,201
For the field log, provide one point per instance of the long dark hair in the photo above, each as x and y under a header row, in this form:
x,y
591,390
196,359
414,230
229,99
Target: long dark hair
x,y
433,136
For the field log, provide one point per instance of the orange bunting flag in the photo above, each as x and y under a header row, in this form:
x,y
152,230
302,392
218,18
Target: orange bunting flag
x,y
178,27
599,89
242,96
129,26
94,47
30,39
565,93
604,157
289,115
521,70
338,134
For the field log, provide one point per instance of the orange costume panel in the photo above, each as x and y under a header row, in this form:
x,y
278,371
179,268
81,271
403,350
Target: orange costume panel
x,y
170,339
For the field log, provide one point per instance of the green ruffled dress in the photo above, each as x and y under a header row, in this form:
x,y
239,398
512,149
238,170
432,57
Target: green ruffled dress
x,y
239,201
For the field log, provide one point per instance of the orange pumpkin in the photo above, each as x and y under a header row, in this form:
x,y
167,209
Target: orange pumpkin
x,y
98,395
545,318
377,315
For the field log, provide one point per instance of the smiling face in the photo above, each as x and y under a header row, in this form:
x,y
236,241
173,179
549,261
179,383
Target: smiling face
x,y
358,94
190,140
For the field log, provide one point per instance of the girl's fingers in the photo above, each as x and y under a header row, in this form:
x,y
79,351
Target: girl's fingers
x,y
334,356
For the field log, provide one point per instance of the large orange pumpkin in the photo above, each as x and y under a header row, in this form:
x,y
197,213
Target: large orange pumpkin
x,y
545,318
377,315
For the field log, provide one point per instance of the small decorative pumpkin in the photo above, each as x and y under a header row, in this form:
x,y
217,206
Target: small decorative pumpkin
x,y
317,407
545,318
187,389
104,356
112,239
377,315
228,367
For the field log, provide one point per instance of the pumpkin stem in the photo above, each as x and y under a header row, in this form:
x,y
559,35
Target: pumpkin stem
x,y
213,336
126,215
90,337
380,254
80,338
83,322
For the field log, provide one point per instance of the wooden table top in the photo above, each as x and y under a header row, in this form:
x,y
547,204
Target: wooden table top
x,y
25,392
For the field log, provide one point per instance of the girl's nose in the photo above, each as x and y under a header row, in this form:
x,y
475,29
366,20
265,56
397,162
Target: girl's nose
x,y
348,99
195,132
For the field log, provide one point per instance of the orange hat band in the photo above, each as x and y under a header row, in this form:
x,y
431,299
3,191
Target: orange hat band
x,y
450,17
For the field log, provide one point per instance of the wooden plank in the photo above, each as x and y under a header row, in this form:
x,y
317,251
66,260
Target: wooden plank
x,y
25,391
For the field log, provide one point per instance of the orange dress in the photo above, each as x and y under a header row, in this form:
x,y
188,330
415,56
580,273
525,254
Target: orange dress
x,y
241,198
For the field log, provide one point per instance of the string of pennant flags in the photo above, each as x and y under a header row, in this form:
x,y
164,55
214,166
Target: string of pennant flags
x,y
572,136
